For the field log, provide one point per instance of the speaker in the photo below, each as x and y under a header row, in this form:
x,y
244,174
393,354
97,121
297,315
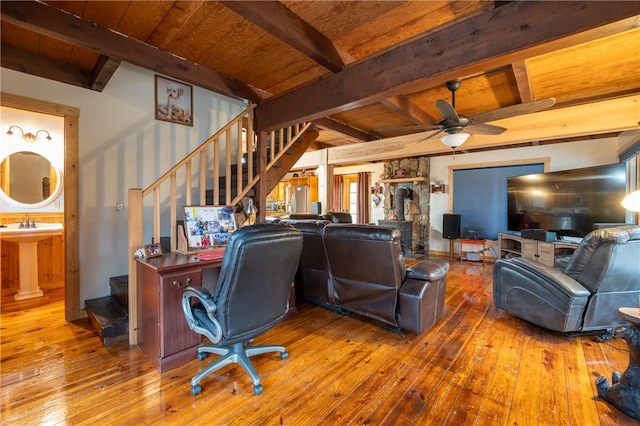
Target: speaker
x,y
451,226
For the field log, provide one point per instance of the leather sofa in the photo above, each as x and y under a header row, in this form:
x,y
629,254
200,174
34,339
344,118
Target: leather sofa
x,y
581,294
360,269
335,217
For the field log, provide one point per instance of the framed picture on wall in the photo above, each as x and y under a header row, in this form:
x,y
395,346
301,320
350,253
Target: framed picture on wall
x,y
174,101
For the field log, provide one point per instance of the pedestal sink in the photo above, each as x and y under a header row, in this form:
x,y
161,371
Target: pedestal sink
x,y
27,240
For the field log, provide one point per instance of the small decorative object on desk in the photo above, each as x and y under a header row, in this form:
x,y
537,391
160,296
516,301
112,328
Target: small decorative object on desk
x,y
152,250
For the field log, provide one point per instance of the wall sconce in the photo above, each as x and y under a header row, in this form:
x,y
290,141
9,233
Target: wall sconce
x,y
29,137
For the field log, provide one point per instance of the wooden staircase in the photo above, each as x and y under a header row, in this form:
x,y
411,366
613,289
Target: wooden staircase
x,y
114,316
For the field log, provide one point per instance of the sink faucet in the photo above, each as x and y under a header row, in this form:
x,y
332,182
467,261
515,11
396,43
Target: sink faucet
x,y
27,224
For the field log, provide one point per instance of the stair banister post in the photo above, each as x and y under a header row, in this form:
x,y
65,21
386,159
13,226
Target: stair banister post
x,y
261,187
135,242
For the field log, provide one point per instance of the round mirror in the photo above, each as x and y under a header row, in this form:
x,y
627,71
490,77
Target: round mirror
x,y
29,179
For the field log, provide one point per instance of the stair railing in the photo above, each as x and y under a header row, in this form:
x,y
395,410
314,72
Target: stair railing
x,y
213,159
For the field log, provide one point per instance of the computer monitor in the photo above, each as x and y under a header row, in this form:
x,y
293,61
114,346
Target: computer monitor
x,y
208,226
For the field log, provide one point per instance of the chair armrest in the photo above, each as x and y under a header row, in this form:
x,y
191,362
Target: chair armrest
x,y
200,315
543,273
428,270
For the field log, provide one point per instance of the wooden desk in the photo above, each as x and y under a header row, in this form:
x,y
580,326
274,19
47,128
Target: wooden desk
x,y
163,333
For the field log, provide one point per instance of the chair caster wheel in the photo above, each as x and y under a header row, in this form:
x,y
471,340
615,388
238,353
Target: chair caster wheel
x,y
195,389
202,356
284,355
257,389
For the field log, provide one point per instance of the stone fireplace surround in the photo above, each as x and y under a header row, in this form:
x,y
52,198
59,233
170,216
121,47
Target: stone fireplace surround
x,y
416,208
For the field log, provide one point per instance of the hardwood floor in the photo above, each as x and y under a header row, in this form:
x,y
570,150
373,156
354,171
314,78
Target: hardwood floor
x,y
478,365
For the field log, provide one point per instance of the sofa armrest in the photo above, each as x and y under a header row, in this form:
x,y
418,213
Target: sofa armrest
x,y
428,270
561,281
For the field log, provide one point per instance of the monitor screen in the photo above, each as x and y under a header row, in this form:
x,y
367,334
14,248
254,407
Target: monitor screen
x,y
208,226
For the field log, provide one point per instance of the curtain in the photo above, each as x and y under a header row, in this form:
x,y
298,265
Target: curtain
x,y
363,197
337,193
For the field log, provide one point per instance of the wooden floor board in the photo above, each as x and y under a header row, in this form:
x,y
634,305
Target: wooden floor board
x,y
477,365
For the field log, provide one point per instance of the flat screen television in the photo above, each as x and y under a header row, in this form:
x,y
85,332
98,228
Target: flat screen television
x,y
568,202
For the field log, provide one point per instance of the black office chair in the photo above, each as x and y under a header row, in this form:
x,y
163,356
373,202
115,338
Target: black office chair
x,y
251,296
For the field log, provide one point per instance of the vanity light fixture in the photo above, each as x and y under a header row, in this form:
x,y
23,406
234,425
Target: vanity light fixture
x,y
29,137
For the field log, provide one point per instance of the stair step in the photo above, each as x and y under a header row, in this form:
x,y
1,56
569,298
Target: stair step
x,y
109,318
120,290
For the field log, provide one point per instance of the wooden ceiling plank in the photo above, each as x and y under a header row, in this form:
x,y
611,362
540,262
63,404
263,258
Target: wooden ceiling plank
x,y
53,22
489,40
25,62
173,22
281,22
102,72
523,81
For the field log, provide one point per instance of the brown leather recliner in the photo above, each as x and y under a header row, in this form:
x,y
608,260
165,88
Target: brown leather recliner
x,y
339,217
602,275
364,273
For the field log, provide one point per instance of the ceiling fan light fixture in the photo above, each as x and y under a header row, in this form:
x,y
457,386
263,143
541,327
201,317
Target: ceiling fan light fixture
x,y
454,140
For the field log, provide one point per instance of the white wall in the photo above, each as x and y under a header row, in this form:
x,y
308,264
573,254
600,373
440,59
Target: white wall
x,y
564,156
121,146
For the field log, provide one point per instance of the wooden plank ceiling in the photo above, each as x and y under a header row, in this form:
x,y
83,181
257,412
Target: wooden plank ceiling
x,y
354,68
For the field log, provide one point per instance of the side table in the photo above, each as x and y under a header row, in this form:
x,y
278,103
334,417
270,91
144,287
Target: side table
x,y
624,394
465,241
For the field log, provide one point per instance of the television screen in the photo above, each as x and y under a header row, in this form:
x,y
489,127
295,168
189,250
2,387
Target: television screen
x,y
569,202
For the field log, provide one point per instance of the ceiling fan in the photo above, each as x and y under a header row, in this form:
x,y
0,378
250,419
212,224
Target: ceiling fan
x,y
458,127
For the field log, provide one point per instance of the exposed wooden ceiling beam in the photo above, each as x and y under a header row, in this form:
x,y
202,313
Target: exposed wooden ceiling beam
x,y
29,63
102,72
278,20
349,132
489,40
562,123
409,110
281,22
45,19
522,80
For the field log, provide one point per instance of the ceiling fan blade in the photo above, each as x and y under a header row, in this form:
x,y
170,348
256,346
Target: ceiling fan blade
x,y
513,110
447,111
432,135
484,129
407,128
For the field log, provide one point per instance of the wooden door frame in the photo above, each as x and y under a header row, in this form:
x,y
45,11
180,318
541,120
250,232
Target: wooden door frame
x,y
71,116
346,193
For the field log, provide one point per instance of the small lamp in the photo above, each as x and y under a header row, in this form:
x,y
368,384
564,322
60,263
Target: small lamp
x,y
632,201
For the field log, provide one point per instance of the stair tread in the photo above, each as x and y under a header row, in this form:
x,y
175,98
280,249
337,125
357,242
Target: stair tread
x,y
107,316
120,290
